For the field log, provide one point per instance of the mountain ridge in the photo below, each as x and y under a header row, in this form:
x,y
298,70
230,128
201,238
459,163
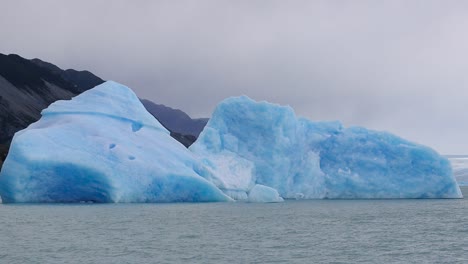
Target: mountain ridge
x,y
182,124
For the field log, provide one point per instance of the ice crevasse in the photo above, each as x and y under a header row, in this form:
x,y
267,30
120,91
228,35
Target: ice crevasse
x,y
103,146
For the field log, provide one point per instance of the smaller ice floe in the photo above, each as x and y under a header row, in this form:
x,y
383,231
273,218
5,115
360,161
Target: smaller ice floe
x,y
264,194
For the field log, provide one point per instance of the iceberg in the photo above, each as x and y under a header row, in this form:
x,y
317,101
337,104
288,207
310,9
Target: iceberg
x,y
247,143
102,146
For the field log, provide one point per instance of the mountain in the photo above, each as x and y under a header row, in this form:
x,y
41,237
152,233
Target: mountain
x,y
27,87
175,120
82,80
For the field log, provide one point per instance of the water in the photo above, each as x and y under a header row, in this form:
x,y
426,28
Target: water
x,y
328,231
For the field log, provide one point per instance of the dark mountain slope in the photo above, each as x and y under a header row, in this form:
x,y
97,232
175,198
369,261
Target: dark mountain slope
x,y
27,76
175,120
26,88
82,80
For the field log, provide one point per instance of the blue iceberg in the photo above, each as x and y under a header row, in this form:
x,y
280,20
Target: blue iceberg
x,y
102,146
248,143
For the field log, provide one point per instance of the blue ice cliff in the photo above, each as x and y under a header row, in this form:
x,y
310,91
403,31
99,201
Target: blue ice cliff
x,y
101,146
248,143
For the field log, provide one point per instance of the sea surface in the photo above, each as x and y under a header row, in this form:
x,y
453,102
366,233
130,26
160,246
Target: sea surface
x,y
319,231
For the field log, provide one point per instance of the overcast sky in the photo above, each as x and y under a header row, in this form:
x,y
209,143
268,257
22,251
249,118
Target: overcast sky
x,y
399,66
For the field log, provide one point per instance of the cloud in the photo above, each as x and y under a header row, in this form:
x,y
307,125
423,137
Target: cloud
x,y
390,65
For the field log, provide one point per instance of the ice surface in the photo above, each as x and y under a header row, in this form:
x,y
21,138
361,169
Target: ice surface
x,y
247,143
102,146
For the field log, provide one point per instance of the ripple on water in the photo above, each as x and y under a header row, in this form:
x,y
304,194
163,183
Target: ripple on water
x,y
382,231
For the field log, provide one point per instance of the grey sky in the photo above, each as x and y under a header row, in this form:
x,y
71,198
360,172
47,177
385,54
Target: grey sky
x,y
399,66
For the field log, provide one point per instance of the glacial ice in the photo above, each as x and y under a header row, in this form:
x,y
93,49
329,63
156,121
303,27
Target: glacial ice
x,y
248,143
263,194
102,146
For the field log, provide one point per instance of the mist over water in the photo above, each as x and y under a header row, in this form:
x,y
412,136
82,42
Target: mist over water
x,y
317,231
